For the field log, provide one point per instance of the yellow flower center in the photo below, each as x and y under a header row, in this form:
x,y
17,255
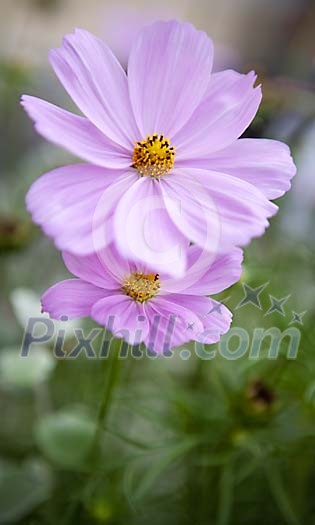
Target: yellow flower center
x,y
153,156
141,287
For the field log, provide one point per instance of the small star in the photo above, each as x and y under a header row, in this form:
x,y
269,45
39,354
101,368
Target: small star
x,y
297,318
190,326
252,295
216,306
277,305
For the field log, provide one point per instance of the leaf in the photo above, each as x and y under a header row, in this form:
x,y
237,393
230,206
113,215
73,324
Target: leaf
x,y
22,488
129,440
66,437
161,464
280,495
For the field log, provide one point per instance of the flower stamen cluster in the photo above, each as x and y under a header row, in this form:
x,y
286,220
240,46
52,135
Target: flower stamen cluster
x,y
141,287
153,156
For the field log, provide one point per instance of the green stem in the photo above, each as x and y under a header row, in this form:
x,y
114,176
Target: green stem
x,y
226,495
112,375
111,380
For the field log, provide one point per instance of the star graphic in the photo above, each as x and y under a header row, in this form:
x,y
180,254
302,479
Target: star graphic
x,y
251,295
297,318
277,305
190,326
216,306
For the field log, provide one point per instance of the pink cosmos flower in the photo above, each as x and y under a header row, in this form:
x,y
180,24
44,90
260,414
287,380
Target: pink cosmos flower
x,y
164,159
141,306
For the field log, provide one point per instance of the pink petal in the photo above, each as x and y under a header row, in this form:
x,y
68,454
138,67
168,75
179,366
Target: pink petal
x,y
92,269
169,324
97,83
168,74
123,316
75,133
117,266
217,211
224,114
144,231
207,274
73,204
267,164
71,298
215,318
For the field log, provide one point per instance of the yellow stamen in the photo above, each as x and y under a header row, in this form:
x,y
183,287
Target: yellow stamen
x,y
153,156
141,287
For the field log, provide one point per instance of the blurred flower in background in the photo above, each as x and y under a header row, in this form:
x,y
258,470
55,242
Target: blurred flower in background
x,y
14,233
298,221
16,372
26,305
124,20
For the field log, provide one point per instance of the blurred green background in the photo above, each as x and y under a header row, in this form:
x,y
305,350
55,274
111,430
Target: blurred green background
x,y
184,440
